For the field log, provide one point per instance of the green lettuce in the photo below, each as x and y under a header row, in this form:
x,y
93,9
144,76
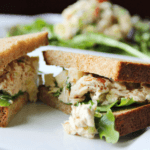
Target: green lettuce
x,y
6,99
122,103
90,40
125,102
56,94
38,25
106,127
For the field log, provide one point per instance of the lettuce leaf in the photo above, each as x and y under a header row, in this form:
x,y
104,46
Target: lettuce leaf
x,y
106,127
106,124
104,108
6,99
124,102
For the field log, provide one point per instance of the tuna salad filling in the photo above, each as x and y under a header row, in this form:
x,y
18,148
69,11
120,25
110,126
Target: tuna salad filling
x,y
18,77
92,97
94,16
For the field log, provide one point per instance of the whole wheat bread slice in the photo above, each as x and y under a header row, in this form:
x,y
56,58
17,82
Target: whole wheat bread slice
x,y
126,121
116,69
14,47
10,49
8,113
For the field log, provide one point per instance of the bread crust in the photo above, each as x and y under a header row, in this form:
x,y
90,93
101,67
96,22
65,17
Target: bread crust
x,y
12,48
8,113
116,69
126,121
131,120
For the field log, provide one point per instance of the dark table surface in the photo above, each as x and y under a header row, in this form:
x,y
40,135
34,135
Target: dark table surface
x,y
31,7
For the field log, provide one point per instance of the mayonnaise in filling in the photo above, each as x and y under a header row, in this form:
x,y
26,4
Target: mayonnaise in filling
x,y
94,16
21,75
101,89
81,121
75,85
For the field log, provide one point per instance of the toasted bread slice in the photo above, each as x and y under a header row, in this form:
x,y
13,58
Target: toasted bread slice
x,y
116,69
7,113
14,47
126,121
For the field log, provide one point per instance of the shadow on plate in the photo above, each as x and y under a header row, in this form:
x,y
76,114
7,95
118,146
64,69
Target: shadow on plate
x,y
132,136
29,112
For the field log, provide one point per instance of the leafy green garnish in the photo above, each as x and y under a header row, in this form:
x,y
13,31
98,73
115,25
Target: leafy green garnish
x,y
67,103
102,39
104,108
40,72
6,99
98,115
106,127
38,25
125,102
122,103
68,84
93,41
141,36
56,84
56,94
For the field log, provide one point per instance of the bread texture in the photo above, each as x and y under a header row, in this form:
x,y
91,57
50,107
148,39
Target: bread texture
x,y
126,121
12,48
8,113
116,69
52,101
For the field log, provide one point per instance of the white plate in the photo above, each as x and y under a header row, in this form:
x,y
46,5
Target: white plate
x,y
38,126
7,21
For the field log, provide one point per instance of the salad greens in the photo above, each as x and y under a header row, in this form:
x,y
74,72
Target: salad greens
x,y
68,84
93,41
125,102
106,127
6,99
56,94
105,123
36,26
122,103
141,37
104,118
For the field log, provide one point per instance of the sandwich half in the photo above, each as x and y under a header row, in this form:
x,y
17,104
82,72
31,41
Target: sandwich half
x,y
18,73
104,96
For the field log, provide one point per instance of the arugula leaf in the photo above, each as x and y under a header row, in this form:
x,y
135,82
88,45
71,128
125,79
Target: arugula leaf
x,y
106,127
6,99
104,40
139,47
